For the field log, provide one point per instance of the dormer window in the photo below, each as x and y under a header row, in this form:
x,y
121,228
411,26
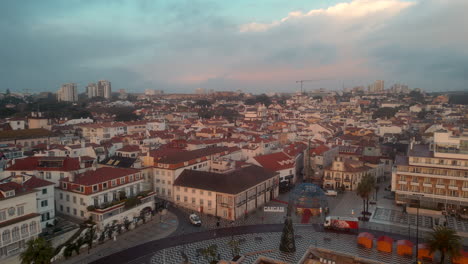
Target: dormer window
x,y
64,185
104,185
10,193
122,180
95,188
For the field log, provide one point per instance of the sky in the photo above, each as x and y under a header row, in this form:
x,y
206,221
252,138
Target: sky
x,y
252,45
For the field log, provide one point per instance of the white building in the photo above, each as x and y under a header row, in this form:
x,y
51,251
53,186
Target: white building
x,y
45,195
104,89
19,220
106,194
91,90
68,93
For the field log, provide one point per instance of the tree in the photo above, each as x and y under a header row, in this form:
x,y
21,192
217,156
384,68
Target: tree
x,y
385,112
210,254
38,251
234,245
364,190
203,103
89,237
446,241
126,116
288,244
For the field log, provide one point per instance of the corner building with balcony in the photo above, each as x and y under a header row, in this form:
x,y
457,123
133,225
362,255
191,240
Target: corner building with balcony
x,y
105,194
436,175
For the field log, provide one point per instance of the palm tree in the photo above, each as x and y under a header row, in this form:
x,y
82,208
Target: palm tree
x,y
446,241
364,190
38,251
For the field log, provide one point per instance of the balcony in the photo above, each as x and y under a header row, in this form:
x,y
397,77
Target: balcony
x,y
402,182
440,186
414,183
337,179
453,188
116,207
465,189
427,185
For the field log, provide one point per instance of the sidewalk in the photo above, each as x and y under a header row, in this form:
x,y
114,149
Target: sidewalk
x,y
152,230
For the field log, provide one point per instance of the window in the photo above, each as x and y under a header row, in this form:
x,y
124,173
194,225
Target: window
x,y
81,213
64,185
201,202
95,188
74,211
177,188
24,230
193,200
68,198
209,204
81,201
131,177
68,209
185,189
113,182
178,198
44,191
104,185
6,236
15,233
61,208
168,182
48,175
122,180
209,193
3,215
44,203
169,192
33,227
163,182
163,191
81,189
185,199
62,175
61,196
193,190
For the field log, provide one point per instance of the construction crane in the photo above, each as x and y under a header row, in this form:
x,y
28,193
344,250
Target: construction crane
x,y
303,81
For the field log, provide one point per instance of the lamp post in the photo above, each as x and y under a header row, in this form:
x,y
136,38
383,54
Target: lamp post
x,y
417,226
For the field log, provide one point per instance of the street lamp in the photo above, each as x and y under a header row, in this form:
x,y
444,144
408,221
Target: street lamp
x,y
417,225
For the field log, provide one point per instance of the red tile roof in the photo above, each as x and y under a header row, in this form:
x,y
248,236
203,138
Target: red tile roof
x,y
275,161
101,175
129,148
34,163
319,150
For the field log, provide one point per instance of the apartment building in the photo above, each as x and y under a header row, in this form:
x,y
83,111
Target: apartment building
x,y
230,195
104,195
434,176
278,162
68,92
19,220
102,131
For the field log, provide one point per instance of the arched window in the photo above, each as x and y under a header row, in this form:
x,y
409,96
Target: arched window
x,y
24,230
15,233
33,227
6,236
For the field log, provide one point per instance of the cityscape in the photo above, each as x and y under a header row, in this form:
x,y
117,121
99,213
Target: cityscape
x,y
281,155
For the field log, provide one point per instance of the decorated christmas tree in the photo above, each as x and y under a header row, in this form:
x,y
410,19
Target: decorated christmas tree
x,y
288,245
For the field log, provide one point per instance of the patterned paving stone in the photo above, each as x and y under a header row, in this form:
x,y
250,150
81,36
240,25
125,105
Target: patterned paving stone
x,y
270,241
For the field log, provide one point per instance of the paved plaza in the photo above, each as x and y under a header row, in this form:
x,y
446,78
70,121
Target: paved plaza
x,y
267,244
398,217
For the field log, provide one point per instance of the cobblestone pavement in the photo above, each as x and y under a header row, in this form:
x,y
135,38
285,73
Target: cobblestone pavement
x,y
394,216
267,244
153,229
460,225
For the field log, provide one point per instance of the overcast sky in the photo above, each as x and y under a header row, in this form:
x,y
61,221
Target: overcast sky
x,y
252,45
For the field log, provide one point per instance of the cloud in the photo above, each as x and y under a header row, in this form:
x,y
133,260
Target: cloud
x,y
182,45
354,9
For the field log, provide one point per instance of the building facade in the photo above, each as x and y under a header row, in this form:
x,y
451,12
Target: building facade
x,y
68,93
19,220
434,177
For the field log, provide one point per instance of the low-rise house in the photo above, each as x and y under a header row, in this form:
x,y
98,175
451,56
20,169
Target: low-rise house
x,y
280,163
231,195
345,173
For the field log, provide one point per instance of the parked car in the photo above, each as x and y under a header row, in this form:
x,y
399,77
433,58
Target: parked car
x,y
331,193
195,220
